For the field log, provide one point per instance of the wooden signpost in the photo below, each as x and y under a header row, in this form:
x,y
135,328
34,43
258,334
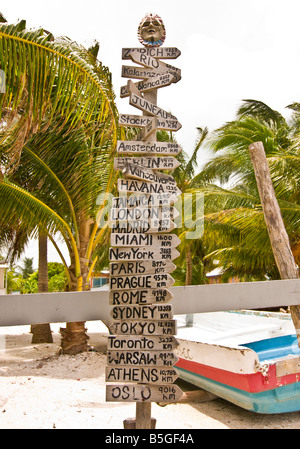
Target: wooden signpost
x,y
141,344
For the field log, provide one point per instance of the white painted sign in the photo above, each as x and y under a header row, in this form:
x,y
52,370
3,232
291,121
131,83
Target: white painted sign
x,y
141,267
136,200
136,72
153,163
134,186
144,374
146,342
137,281
142,358
162,327
160,80
155,240
140,121
143,312
144,214
142,226
140,297
155,148
145,174
143,393
154,52
143,253
148,107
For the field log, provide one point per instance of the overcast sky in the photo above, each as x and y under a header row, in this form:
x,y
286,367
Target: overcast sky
x,y
231,50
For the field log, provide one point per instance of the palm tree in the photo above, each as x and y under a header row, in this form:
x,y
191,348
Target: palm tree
x,y
231,196
59,124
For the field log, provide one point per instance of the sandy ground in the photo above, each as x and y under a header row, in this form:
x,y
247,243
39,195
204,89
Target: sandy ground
x,y
41,390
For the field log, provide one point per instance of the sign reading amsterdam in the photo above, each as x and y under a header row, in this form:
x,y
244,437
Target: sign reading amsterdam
x,y
141,341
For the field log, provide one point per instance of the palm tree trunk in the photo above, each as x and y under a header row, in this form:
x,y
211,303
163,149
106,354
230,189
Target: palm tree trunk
x,y
74,337
41,333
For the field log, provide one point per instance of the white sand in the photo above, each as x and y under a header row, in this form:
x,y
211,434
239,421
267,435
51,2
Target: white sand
x,y
40,390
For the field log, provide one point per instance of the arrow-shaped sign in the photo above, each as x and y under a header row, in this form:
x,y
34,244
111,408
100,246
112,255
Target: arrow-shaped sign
x,y
153,163
142,267
133,186
155,148
141,297
141,282
143,374
154,199
160,240
143,253
154,52
143,393
144,174
160,80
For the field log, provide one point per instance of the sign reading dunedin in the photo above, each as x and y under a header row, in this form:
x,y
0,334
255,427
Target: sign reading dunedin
x,y
140,355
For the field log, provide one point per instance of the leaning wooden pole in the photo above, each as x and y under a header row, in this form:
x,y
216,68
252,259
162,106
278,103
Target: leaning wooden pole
x,y
278,236
140,349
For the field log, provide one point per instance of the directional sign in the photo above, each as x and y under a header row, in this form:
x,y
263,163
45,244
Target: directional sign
x,y
143,393
148,107
161,80
133,186
142,226
135,297
155,240
147,343
154,199
136,72
143,253
155,148
162,327
145,174
154,52
144,214
140,121
148,312
144,374
141,267
149,61
154,163
141,282
148,358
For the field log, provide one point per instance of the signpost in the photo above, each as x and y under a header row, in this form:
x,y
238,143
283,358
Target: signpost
x,y
141,344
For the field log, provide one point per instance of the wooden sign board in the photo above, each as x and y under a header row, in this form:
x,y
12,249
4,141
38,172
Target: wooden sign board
x,y
154,52
142,226
148,312
160,80
134,214
155,240
148,358
141,282
161,327
149,61
134,186
144,374
144,174
141,267
141,121
155,148
149,108
143,253
140,297
143,393
153,163
150,200
136,342
136,72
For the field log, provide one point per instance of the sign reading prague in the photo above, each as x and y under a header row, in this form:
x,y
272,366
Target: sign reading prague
x,y
140,346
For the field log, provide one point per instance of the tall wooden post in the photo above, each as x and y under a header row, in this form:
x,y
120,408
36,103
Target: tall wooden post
x,y
142,247
278,236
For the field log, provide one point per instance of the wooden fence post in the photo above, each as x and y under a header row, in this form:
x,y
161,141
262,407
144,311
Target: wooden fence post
x,y
278,236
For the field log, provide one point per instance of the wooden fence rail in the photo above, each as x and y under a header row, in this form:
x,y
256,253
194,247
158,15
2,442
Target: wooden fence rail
x,y
94,305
